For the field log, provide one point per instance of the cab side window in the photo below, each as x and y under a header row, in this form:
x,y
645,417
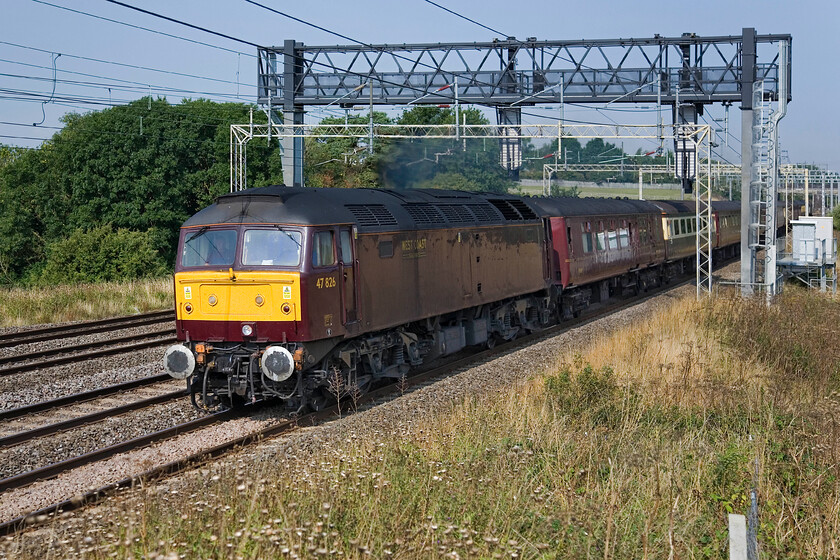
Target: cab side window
x,y
346,247
322,249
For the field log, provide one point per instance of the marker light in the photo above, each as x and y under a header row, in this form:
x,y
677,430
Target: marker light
x,y
247,330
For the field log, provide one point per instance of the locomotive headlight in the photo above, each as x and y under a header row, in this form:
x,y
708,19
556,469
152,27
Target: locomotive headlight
x,y
178,361
277,363
247,330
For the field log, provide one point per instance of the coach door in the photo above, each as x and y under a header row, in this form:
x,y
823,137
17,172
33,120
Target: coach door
x,y
347,276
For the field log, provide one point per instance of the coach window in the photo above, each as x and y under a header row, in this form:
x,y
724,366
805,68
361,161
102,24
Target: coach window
x,y
600,238
586,238
322,249
624,237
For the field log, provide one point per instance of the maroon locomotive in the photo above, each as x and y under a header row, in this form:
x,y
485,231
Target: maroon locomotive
x,y
304,294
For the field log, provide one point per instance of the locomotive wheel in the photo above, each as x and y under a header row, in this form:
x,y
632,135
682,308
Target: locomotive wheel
x,y
320,400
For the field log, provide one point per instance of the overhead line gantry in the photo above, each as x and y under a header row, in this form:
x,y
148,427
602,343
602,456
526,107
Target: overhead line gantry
x,y
685,72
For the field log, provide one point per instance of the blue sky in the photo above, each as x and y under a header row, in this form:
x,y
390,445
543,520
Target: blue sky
x,y
117,63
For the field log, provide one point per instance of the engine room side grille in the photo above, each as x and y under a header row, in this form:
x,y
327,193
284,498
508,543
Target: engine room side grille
x,y
424,214
456,213
484,212
372,215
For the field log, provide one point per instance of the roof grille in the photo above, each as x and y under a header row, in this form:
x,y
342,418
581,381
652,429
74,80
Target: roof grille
x,y
524,210
484,212
456,213
372,215
508,211
424,213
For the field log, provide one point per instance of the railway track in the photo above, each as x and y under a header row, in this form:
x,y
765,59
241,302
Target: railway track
x,y
49,418
11,434
277,428
49,357
81,329
79,398
52,470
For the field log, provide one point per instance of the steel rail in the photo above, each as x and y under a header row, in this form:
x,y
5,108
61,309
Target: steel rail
x,y
66,355
86,346
82,328
93,417
19,339
50,471
82,397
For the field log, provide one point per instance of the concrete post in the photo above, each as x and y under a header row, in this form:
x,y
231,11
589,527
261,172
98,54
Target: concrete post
x,y
737,537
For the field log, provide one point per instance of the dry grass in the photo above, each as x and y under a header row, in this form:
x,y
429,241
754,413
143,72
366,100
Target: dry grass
x,y
58,304
637,448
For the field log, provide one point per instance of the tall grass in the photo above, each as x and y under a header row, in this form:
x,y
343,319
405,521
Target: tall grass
x,y
55,304
636,448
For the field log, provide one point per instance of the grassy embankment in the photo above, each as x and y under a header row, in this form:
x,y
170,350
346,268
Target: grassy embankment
x,y
57,304
636,448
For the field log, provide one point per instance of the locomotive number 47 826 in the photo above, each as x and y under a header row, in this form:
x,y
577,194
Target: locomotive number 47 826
x,y
326,282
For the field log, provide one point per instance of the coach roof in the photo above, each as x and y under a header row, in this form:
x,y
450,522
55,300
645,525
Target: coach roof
x,y
569,206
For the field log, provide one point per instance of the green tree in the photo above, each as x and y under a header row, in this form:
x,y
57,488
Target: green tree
x,y
8,154
22,212
144,166
101,254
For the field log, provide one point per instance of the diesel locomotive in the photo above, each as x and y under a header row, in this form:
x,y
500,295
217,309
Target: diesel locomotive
x,y
305,294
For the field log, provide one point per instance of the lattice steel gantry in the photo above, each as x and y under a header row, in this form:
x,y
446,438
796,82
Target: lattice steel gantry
x,y
686,72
